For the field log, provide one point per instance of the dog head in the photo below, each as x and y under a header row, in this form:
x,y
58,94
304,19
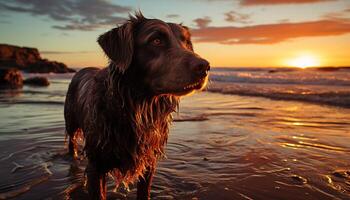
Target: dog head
x,y
157,55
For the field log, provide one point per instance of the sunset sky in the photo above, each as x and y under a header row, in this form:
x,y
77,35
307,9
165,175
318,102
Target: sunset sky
x,y
226,32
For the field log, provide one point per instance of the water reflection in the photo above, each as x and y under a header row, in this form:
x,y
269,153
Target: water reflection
x,y
220,147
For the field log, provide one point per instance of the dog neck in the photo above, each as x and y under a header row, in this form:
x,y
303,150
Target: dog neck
x,y
140,126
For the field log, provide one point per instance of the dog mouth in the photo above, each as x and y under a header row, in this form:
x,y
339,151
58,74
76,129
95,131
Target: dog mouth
x,y
198,85
193,85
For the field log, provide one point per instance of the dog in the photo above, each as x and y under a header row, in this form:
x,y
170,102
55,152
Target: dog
x,y
124,110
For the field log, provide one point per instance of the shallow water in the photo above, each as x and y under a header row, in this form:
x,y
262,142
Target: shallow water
x,y
220,147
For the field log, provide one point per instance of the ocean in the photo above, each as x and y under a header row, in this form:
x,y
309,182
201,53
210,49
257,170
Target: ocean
x,y
312,85
255,133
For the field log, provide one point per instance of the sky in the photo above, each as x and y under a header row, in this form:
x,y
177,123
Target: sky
x,y
250,33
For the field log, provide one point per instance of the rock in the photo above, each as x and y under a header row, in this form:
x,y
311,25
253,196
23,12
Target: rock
x,y
37,81
29,60
45,66
10,78
18,57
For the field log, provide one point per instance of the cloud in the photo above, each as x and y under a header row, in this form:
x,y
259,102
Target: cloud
x,y
233,16
276,2
271,33
85,15
202,22
333,16
339,15
173,16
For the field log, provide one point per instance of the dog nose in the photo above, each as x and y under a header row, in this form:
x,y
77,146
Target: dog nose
x,y
202,65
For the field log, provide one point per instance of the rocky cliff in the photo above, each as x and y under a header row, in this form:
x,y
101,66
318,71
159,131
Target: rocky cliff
x,y
28,60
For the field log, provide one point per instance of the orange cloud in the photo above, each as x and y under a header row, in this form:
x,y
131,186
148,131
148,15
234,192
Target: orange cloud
x,y
270,33
273,2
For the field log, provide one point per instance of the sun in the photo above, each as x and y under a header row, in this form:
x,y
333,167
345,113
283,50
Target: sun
x,y
303,61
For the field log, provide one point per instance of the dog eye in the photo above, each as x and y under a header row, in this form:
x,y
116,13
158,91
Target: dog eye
x,y
157,42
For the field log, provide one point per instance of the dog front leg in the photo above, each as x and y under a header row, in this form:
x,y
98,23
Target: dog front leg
x,y
96,183
144,184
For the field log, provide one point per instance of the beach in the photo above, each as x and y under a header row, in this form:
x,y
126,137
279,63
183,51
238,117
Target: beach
x,y
254,134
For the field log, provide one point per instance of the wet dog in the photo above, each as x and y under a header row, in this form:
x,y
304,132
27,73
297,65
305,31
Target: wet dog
x,y
124,110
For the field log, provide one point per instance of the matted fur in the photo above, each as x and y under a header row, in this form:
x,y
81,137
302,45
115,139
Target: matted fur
x,y
145,118
124,110
122,124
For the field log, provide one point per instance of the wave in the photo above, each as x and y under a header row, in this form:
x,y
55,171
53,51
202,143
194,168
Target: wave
x,y
56,76
281,78
191,119
336,98
329,86
34,102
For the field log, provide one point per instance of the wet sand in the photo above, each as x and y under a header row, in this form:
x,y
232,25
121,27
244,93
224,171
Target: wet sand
x,y
220,147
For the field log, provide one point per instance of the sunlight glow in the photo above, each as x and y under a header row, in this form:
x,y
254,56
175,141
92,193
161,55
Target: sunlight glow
x,y
303,61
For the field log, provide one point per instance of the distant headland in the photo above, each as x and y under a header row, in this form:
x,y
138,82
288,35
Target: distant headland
x,y
28,60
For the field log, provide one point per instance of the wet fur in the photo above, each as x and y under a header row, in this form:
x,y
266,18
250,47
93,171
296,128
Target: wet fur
x,y
125,124
123,128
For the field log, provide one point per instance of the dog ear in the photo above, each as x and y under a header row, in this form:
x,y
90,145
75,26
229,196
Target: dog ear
x,y
190,45
118,45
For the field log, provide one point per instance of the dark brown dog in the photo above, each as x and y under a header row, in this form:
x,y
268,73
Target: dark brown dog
x,y
124,110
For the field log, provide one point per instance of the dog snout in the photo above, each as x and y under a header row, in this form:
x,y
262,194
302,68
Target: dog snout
x,y
201,66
